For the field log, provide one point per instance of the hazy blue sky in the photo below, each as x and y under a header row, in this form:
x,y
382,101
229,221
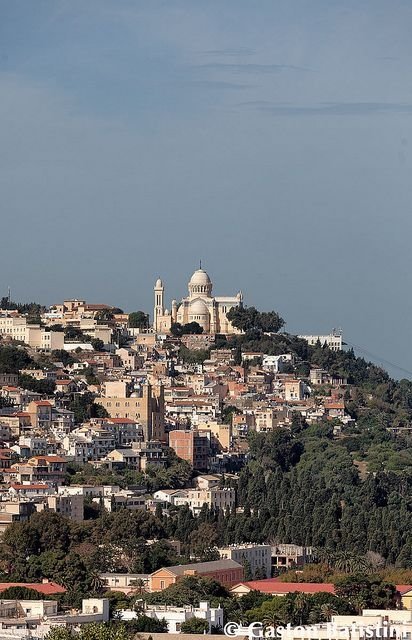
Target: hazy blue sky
x,y
270,138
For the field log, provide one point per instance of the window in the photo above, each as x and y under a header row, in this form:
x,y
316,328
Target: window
x,y
162,584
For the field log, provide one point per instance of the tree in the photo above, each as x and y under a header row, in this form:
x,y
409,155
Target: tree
x,y
57,327
74,334
238,356
327,611
97,344
44,386
367,591
139,585
12,359
21,593
85,408
60,355
145,624
192,328
179,330
194,625
204,538
138,320
188,590
104,315
93,631
301,606
193,356
60,633
249,319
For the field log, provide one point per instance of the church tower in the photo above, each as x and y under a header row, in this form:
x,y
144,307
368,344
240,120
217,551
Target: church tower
x,y
159,309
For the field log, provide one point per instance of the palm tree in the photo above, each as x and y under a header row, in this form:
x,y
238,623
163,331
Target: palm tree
x,y
272,619
140,585
326,556
344,561
352,563
359,603
96,583
300,606
327,611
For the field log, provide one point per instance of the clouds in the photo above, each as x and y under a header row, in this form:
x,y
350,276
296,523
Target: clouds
x,y
329,109
250,68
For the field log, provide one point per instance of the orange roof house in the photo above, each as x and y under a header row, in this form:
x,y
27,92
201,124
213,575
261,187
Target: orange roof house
x,y
46,587
225,571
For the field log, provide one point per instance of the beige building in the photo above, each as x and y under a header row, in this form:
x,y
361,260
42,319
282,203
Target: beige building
x,y
130,358
145,407
266,419
215,499
37,337
334,340
70,506
294,390
258,557
200,306
222,433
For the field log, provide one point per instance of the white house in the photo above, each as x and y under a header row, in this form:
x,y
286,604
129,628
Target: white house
x,y
175,616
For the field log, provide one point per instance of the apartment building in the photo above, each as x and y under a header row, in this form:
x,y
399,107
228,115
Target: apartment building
x,y
214,498
145,406
257,557
40,412
192,446
70,506
176,616
285,556
37,337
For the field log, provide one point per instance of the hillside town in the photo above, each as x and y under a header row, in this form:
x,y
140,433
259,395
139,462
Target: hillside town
x,y
143,437
151,392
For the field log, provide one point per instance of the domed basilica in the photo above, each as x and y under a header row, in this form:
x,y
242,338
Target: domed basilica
x,y
200,306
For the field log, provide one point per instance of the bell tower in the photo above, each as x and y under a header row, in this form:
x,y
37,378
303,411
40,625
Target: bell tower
x,y
159,309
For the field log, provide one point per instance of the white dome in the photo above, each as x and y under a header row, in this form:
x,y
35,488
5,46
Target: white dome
x,y
198,308
158,284
200,277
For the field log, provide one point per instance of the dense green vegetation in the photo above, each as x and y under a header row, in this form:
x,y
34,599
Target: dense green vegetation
x,y
193,356
176,474
94,631
249,319
191,328
12,359
44,386
85,408
139,320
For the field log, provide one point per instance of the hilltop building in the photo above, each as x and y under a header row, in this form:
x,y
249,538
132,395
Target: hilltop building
x,y
199,306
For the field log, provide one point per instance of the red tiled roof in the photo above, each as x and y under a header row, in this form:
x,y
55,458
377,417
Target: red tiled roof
x,y
47,588
42,403
403,588
120,420
274,587
49,458
18,486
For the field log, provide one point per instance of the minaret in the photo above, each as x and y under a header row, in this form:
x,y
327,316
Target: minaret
x,y
159,291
